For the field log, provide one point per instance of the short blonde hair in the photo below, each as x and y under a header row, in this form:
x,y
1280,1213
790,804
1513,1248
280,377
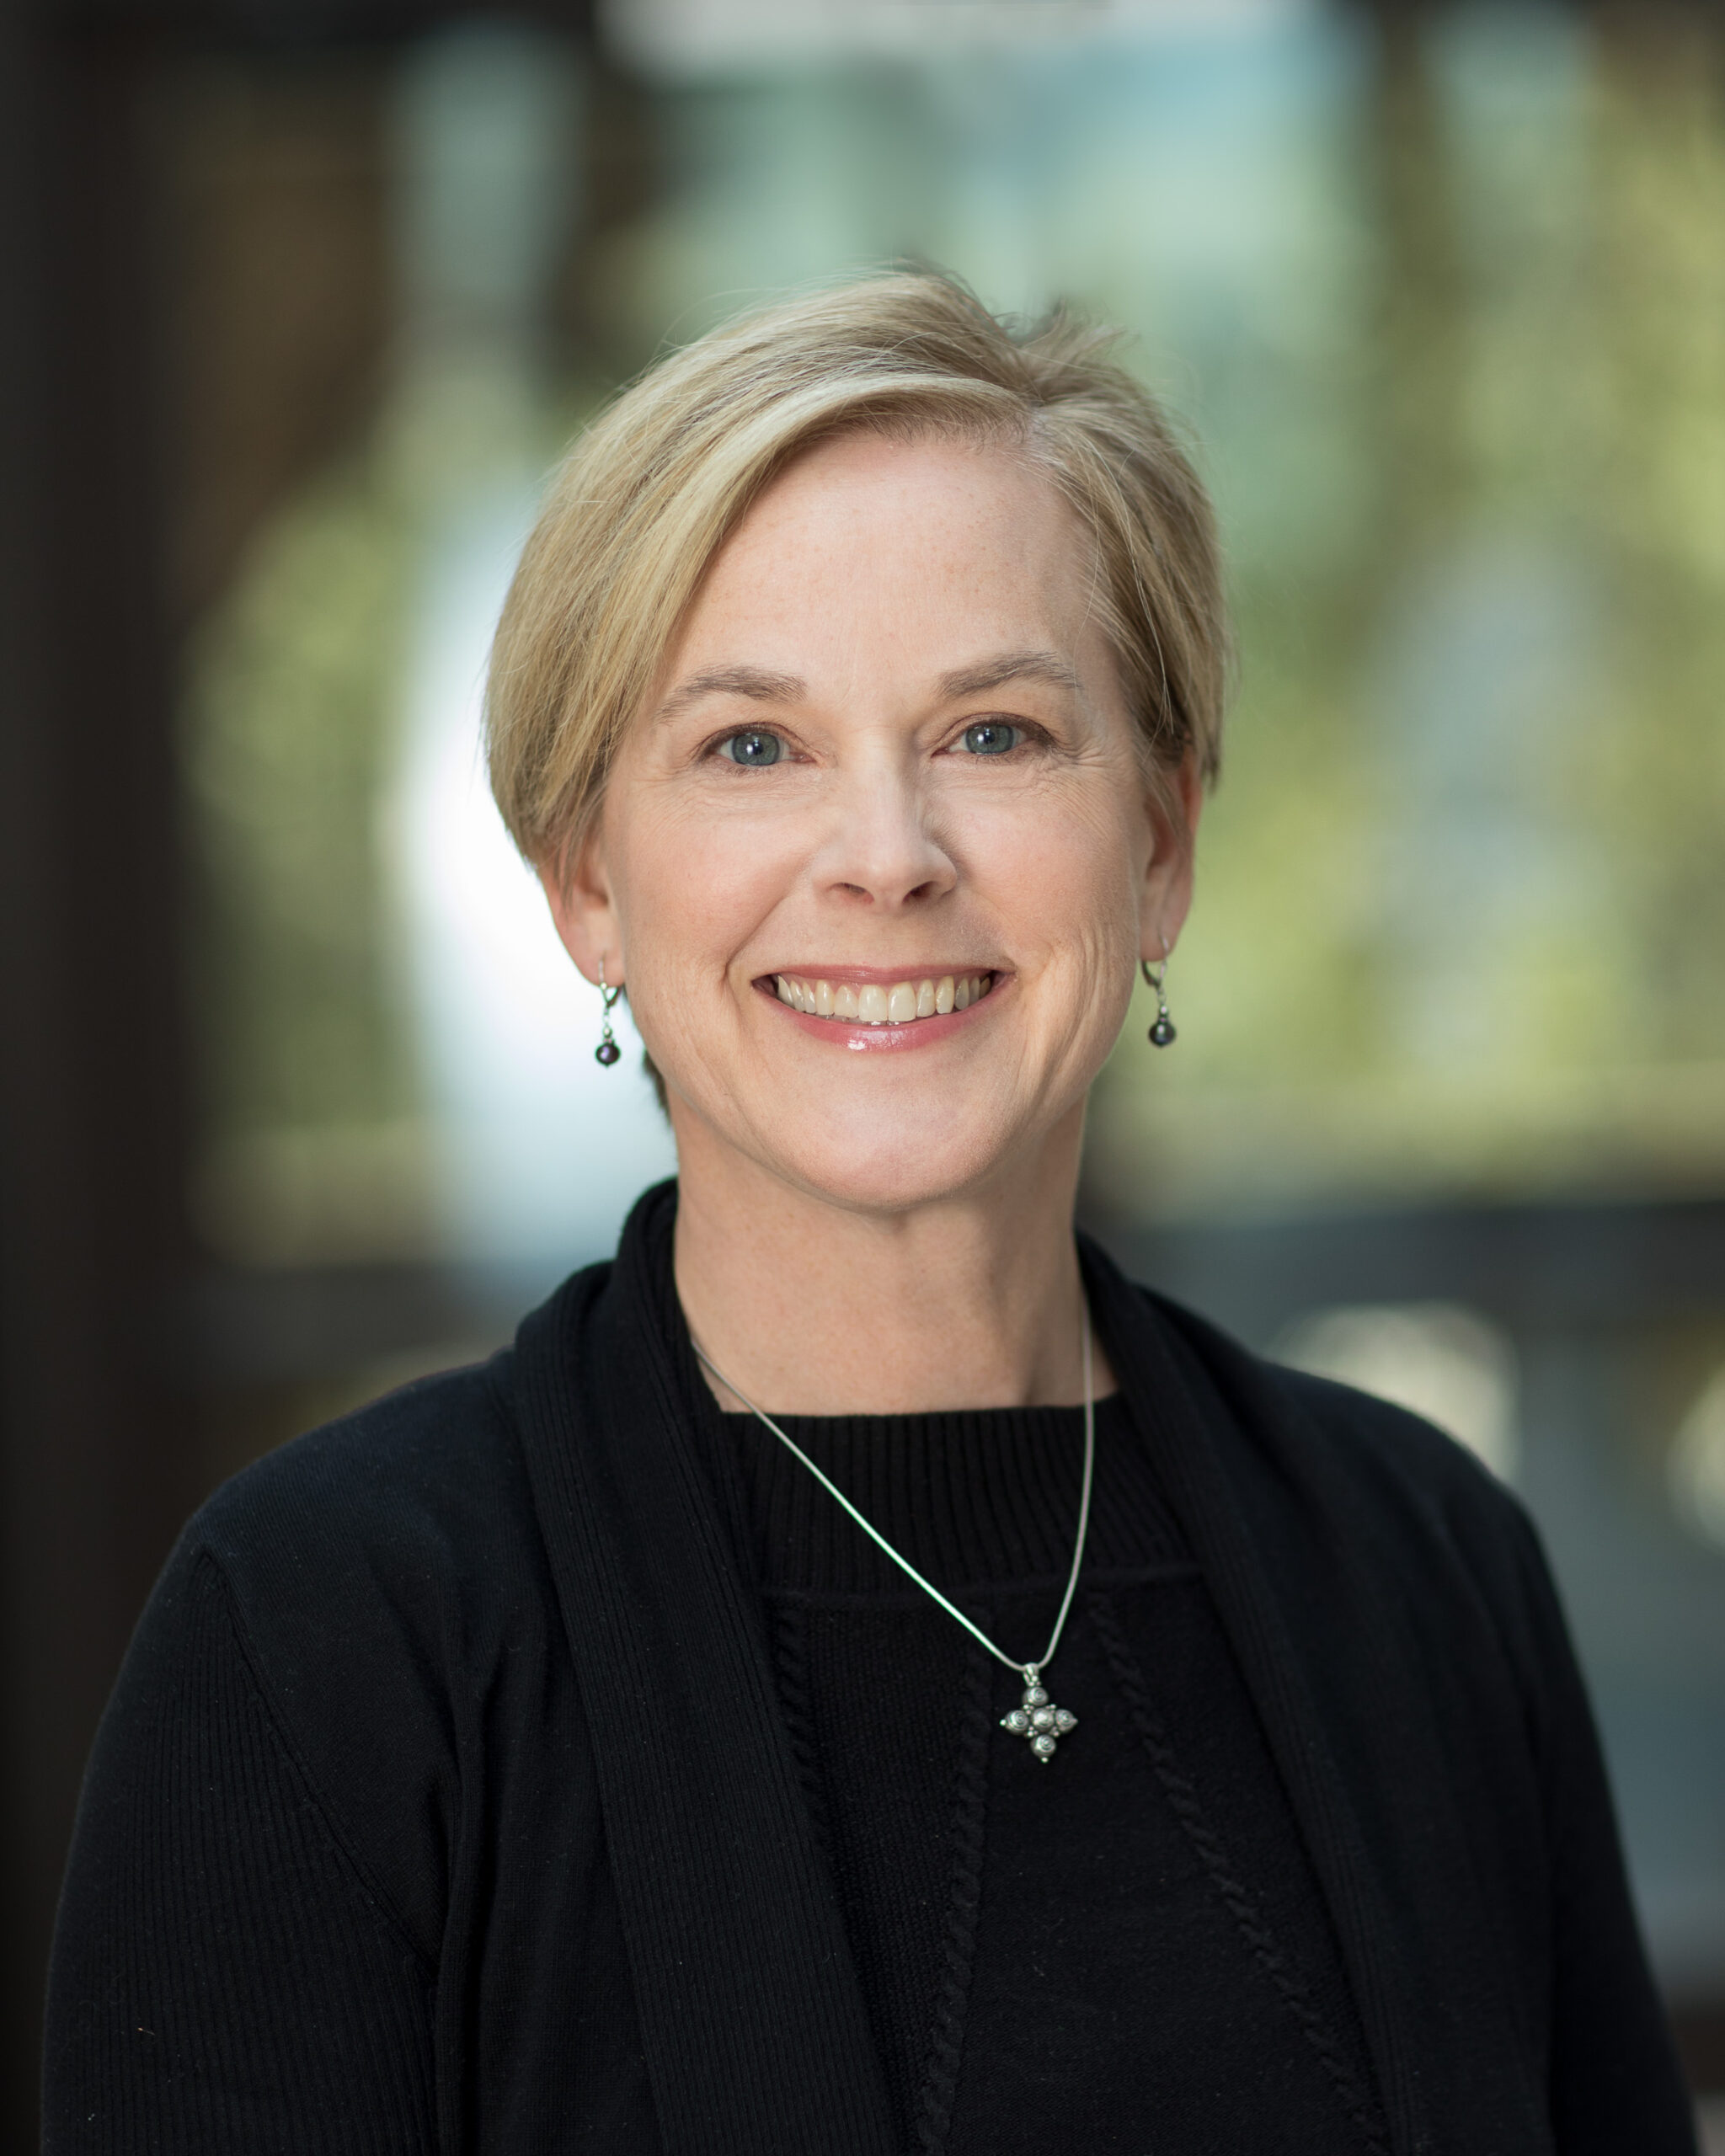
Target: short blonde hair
x,y
647,495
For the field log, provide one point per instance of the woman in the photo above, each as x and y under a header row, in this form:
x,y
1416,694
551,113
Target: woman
x,y
559,1755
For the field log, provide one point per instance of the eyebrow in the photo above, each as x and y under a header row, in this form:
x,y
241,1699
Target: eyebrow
x,y
1009,666
753,682
762,686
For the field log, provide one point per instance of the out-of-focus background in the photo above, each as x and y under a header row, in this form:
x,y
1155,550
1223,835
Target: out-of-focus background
x,y
300,298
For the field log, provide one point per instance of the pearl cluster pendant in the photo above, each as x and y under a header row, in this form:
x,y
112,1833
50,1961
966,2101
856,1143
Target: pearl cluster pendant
x,y
1039,1719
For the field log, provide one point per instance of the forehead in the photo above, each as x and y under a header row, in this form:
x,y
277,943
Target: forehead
x,y
918,546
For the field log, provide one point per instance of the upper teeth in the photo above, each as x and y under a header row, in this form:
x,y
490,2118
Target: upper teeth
x,y
872,1005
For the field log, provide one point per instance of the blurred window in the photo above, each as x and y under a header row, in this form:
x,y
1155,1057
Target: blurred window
x,y
1696,1465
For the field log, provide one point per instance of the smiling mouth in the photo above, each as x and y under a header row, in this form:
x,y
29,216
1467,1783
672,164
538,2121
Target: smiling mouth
x,y
873,1003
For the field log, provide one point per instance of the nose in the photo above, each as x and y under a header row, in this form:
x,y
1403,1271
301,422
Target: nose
x,y
882,852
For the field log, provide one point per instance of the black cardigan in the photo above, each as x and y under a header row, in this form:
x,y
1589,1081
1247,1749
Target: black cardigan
x,y
460,1718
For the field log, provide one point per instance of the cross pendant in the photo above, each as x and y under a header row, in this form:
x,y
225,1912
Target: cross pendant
x,y
1039,1719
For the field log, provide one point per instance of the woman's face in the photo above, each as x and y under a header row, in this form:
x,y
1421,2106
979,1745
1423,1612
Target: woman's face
x,y
878,862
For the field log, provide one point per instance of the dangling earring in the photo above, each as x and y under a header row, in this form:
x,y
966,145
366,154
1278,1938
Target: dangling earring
x,y
1162,1031
607,1051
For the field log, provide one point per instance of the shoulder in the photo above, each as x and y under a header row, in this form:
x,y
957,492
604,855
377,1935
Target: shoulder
x,y
1294,1418
1413,1502
395,1553
1374,1525
423,1487
383,1586
370,1557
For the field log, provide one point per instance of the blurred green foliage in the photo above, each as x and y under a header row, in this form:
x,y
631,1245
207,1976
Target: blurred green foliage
x,y
289,734
1445,311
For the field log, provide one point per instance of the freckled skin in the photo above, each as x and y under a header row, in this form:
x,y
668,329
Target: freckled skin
x,y
866,574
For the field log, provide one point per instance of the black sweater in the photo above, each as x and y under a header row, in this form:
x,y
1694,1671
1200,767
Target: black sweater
x,y
459,1793
1123,1949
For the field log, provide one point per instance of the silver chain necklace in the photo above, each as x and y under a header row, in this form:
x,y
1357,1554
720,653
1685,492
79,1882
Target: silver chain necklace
x,y
1037,1719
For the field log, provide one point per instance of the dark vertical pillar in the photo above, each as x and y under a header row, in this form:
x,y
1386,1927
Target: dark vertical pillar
x,y
96,1459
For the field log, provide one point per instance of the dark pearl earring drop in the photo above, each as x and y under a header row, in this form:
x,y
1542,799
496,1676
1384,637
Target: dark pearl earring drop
x,y
607,1051
1162,1031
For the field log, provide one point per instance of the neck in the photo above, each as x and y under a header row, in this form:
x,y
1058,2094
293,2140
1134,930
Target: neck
x,y
814,1309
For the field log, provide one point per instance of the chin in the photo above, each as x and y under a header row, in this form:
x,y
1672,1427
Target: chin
x,y
875,1162
885,1138
884,1186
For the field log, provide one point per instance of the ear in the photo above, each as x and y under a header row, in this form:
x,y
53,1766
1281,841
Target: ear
x,y
1166,898
578,890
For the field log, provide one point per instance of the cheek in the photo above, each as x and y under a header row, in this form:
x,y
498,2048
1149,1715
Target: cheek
x,y
1066,882
689,890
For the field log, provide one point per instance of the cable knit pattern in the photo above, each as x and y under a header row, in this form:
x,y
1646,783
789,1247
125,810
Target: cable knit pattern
x,y
790,1657
946,2050
1240,1902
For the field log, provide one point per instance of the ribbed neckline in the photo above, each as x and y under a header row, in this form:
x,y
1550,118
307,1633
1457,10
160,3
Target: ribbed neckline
x,y
979,1497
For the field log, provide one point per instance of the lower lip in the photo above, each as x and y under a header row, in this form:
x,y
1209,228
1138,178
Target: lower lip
x,y
885,1040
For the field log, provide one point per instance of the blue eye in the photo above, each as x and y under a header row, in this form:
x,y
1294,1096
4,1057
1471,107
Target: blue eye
x,y
989,736
752,748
